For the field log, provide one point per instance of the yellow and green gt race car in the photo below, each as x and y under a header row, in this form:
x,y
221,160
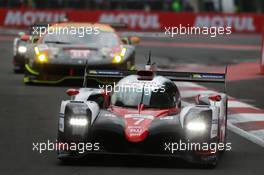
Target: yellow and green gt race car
x,y
60,51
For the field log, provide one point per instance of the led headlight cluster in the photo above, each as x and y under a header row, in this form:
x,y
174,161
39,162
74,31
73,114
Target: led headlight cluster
x,y
118,58
196,126
22,49
78,121
42,58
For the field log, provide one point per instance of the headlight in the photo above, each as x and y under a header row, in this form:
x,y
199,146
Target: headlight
x,y
78,121
196,126
42,58
117,59
22,49
123,52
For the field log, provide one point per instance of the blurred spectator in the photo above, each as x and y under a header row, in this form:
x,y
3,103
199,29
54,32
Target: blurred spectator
x,y
187,6
176,6
31,4
147,5
147,8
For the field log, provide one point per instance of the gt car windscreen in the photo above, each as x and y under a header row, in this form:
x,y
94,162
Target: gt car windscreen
x,y
103,39
159,98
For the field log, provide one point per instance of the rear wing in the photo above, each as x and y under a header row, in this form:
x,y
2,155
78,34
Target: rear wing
x,y
194,76
116,75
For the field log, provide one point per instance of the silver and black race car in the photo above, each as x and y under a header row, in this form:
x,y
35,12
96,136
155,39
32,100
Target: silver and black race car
x,y
144,114
19,52
56,57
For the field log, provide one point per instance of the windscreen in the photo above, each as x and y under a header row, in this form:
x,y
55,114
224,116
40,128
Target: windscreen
x,y
103,39
157,97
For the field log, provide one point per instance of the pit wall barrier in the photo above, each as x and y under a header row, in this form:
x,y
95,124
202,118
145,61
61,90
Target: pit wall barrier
x,y
136,20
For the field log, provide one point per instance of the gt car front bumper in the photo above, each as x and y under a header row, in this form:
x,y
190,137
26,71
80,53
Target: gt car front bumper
x,y
58,73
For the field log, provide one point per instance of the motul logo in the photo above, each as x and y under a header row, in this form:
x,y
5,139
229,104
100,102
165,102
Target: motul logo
x,y
239,24
262,59
142,21
18,18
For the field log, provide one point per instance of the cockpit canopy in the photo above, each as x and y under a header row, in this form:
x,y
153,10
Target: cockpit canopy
x,y
159,92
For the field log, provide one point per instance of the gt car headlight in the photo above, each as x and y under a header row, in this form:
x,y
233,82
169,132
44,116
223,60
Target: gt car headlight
x,y
42,58
117,59
22,49
78,121
123,52
196,126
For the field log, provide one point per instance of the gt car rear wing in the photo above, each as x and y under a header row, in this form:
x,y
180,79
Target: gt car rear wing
x,y
116,75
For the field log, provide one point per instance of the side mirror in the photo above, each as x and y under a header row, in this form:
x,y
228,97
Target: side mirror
x,y
125,41
25,37
107,98
34,39
101,99
134,40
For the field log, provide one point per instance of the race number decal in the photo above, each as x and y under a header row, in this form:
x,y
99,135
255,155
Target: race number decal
x,y
81,54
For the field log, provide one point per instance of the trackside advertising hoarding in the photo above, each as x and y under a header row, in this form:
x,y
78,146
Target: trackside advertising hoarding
x,y
136,20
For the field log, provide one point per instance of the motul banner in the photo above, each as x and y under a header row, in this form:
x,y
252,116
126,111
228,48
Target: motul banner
x,y
136,20
262,54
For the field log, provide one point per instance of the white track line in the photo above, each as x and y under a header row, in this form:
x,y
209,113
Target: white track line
x,y
234,104
250,136
258,133
245,117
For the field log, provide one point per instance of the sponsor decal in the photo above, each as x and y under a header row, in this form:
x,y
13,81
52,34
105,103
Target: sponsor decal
x,y
144,116
137,20
26,18
238,23
109,72
79,53
262,53
137,125
213,76
197,76
134,20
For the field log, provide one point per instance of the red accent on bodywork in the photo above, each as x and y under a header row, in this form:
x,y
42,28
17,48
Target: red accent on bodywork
x,y
136,127
215,97
24,37
71,72
138,121
72,92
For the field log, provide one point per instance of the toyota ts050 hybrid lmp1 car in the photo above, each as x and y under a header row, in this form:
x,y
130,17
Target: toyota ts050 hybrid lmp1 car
x,y
144,121
55,57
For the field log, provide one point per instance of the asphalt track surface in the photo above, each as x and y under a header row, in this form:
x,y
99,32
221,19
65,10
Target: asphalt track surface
x,y
29,114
